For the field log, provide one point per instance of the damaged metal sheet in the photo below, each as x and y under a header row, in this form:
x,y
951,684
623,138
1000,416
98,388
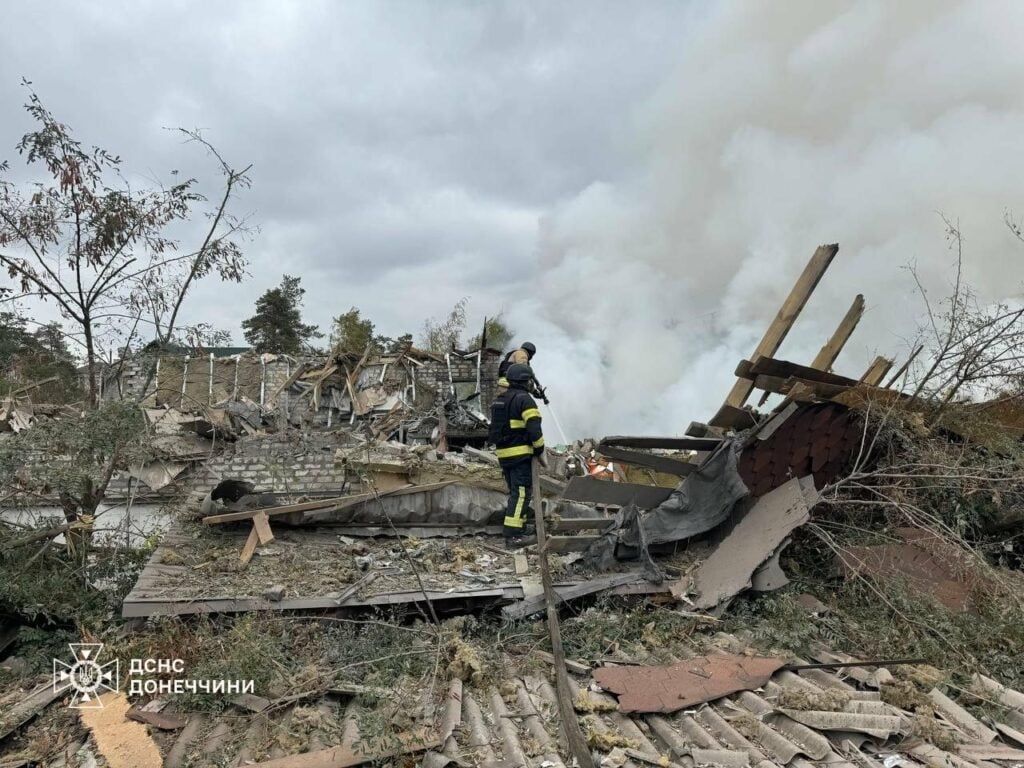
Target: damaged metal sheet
x,y
759,533
702,501
923,561
686,684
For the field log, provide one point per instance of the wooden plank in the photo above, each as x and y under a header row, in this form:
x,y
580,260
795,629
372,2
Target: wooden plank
x,y
649,460
27,708
783,369
730,417
250,546
561,544
571,524
826,357
787,315
590,490
536,604
874,375
569,725
670,443
576,667
261,524
234,517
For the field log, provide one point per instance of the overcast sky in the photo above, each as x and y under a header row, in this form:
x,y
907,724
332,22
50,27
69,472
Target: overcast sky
x,y
403,152
636,185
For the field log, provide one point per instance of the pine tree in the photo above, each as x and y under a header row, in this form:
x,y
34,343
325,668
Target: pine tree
x,y
277,326
352,334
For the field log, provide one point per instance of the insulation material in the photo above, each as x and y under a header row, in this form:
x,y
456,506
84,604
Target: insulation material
x,y
686,684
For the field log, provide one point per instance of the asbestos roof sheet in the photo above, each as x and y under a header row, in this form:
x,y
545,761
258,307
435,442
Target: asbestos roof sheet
x,y
514,722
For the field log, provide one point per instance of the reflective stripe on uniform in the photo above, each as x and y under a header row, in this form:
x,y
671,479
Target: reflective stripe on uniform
x,y
517,423
515,450
531,413
516,521
538,443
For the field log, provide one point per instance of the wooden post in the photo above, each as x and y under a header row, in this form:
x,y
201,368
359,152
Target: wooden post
x,y
873,375
787,315
570,725
826,357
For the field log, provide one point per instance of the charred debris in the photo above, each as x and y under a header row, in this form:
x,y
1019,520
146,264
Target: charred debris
x,y
345,515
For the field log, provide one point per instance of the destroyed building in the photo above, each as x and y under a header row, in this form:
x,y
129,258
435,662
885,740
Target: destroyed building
x,y
373,495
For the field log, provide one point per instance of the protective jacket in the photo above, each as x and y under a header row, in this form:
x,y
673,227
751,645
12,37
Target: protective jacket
x,y
515,356
515,426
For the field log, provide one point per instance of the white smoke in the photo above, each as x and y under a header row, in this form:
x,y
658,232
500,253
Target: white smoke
x,y
785,126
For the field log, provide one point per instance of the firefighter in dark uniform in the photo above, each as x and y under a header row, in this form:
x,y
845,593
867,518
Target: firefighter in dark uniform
x,y
516,431
523,354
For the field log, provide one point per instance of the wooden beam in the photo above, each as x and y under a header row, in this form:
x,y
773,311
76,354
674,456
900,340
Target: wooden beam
x,y
827,355
670,443
535,604
873,376
250,546
783,369
590,490
261,524
570,726
649,460
787,315
234,517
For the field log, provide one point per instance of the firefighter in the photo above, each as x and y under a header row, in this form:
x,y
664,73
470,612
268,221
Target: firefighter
x,y
521,355
516,431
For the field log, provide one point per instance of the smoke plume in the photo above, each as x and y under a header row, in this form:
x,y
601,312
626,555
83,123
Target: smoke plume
x,y
784,127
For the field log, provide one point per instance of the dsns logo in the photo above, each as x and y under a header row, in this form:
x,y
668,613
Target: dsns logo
x,y
85,676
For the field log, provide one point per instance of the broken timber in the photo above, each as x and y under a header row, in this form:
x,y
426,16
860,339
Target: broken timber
x,y
570,726
671,443
649,460
787,315
536,604
594,491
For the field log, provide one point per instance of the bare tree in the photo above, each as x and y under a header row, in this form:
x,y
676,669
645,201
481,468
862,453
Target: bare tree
x,y
82,238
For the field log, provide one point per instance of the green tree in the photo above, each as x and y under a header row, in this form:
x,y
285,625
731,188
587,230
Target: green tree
x,y
277,326
495,335
352,334
27,358
442,335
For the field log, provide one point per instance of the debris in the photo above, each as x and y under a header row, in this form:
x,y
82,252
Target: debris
x,y
521,564
878,726
275,593
759,533
685,684
123,743
30,706
345,756
532,605
156,719
925,562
